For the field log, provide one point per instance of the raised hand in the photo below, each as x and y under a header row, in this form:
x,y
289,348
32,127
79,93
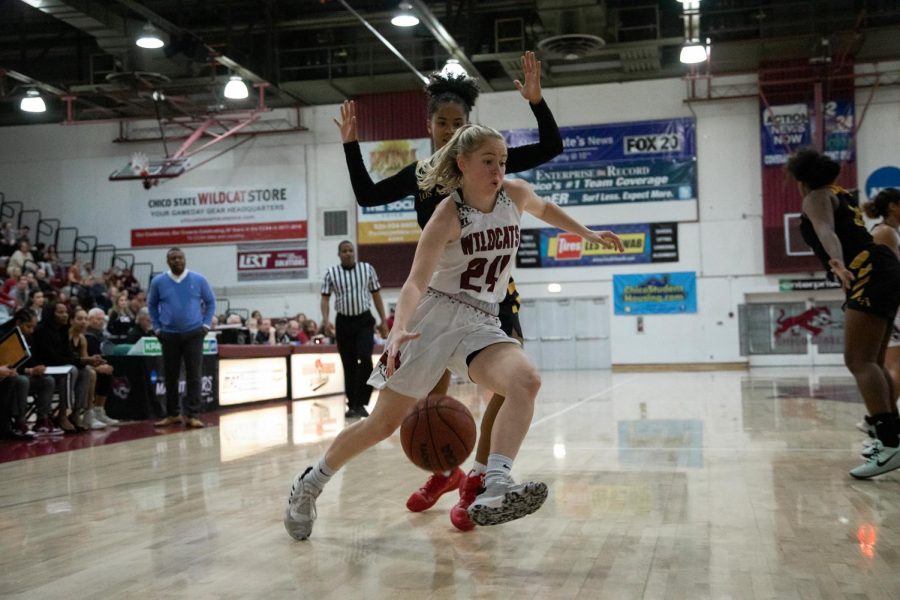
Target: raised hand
x,y
531,71
347,124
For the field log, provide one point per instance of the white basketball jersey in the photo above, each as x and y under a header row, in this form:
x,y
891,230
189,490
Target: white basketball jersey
x,y
480,261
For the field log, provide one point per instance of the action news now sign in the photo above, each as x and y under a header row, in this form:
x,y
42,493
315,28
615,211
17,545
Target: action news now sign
x,y
268,262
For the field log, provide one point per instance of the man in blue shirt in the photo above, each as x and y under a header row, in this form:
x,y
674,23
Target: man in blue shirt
x,y
182,306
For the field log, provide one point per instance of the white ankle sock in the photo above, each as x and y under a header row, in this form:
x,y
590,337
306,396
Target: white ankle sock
x,y
498,469
320,475
478,468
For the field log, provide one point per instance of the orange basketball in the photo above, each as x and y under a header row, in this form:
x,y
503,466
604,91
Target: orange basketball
x,y
438,434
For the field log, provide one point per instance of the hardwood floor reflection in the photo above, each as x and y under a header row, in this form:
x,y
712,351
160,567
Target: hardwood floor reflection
x,y
663,485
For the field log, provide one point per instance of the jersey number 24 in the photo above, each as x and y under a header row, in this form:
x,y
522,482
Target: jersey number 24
x,y
475,271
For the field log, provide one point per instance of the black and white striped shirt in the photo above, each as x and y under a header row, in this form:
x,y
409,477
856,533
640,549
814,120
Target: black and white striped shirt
x,y
352,288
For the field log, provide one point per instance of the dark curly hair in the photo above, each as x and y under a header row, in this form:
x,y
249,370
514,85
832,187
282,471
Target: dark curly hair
x,y
814,169
461,89
880,204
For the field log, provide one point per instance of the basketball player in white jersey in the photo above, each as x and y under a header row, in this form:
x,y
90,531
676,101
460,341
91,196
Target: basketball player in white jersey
x,y
447,316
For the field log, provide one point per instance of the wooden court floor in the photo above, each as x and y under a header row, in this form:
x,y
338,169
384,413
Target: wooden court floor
x,y
662,485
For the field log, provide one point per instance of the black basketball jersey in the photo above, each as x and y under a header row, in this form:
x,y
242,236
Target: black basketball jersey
x,y
849,227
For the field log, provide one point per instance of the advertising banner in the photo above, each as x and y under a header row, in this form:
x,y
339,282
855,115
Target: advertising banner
x,y
395,222
219,215
789,127
269,262
655,293
644,243
645,161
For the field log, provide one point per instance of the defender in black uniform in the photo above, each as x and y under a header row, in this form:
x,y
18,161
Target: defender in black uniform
x,y
870,275
450,101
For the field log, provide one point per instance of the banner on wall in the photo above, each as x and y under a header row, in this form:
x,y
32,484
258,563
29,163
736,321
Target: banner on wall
x,y
783,130
644,243
220,215
646,161
395,222
273,261
655,293
786,128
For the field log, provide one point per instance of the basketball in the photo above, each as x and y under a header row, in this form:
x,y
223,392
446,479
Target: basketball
x,y
438,434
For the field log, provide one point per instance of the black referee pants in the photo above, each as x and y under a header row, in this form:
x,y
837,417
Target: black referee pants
x,y
355,337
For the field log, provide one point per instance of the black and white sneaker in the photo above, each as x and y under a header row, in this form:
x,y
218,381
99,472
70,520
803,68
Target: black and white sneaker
x,y
300,513
500,504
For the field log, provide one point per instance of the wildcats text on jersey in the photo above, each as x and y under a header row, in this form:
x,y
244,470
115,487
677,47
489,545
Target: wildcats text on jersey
x,y
498,238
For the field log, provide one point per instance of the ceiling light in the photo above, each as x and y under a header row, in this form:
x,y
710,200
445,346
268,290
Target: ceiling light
x,y
405,18
236,89
149,38
453,68
693,53
32,102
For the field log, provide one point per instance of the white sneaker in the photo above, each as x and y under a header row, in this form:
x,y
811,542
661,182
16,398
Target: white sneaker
x,y
91,422
100,415
882,460
301,509
500,504
869,447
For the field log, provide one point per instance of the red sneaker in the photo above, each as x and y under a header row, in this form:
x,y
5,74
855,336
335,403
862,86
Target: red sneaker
x,y
459,514
436,486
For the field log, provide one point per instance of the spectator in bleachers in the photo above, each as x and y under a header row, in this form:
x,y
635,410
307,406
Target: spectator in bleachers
x,y
51,347
7,239
295,332
79,346
234,319
253,328
12,278
311,328
99,344
136,301
36,301
281,332
143,327
96,292
7,406
21,292
21,256
52,264
43,282
73,275
40,385
266,334
128,282
24,235
256,315
121,319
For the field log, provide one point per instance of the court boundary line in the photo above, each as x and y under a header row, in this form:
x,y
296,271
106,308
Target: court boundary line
x,y
563,411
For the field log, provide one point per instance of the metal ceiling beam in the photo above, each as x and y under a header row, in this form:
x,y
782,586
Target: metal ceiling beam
x,y
446,40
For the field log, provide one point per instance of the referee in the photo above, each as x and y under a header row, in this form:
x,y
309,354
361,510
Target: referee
x,y
355,285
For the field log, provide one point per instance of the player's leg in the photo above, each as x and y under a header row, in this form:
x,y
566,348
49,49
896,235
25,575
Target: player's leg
x,y
386,417
864,338
505,369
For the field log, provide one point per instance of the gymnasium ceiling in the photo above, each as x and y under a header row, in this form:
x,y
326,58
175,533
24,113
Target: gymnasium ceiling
x,y
317,52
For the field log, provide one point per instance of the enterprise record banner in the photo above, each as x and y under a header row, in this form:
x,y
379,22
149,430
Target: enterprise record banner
x,y
646,161
644,243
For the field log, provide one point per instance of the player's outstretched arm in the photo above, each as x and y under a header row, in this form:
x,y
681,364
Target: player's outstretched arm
x,y
441,228
522,194
368,193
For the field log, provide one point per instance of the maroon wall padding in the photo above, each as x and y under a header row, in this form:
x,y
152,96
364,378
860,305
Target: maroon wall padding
x,y
392,262
392,116
252,351
789,83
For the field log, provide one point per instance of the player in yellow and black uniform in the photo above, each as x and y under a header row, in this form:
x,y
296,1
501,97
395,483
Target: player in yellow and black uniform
x,y
870,276
509,312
